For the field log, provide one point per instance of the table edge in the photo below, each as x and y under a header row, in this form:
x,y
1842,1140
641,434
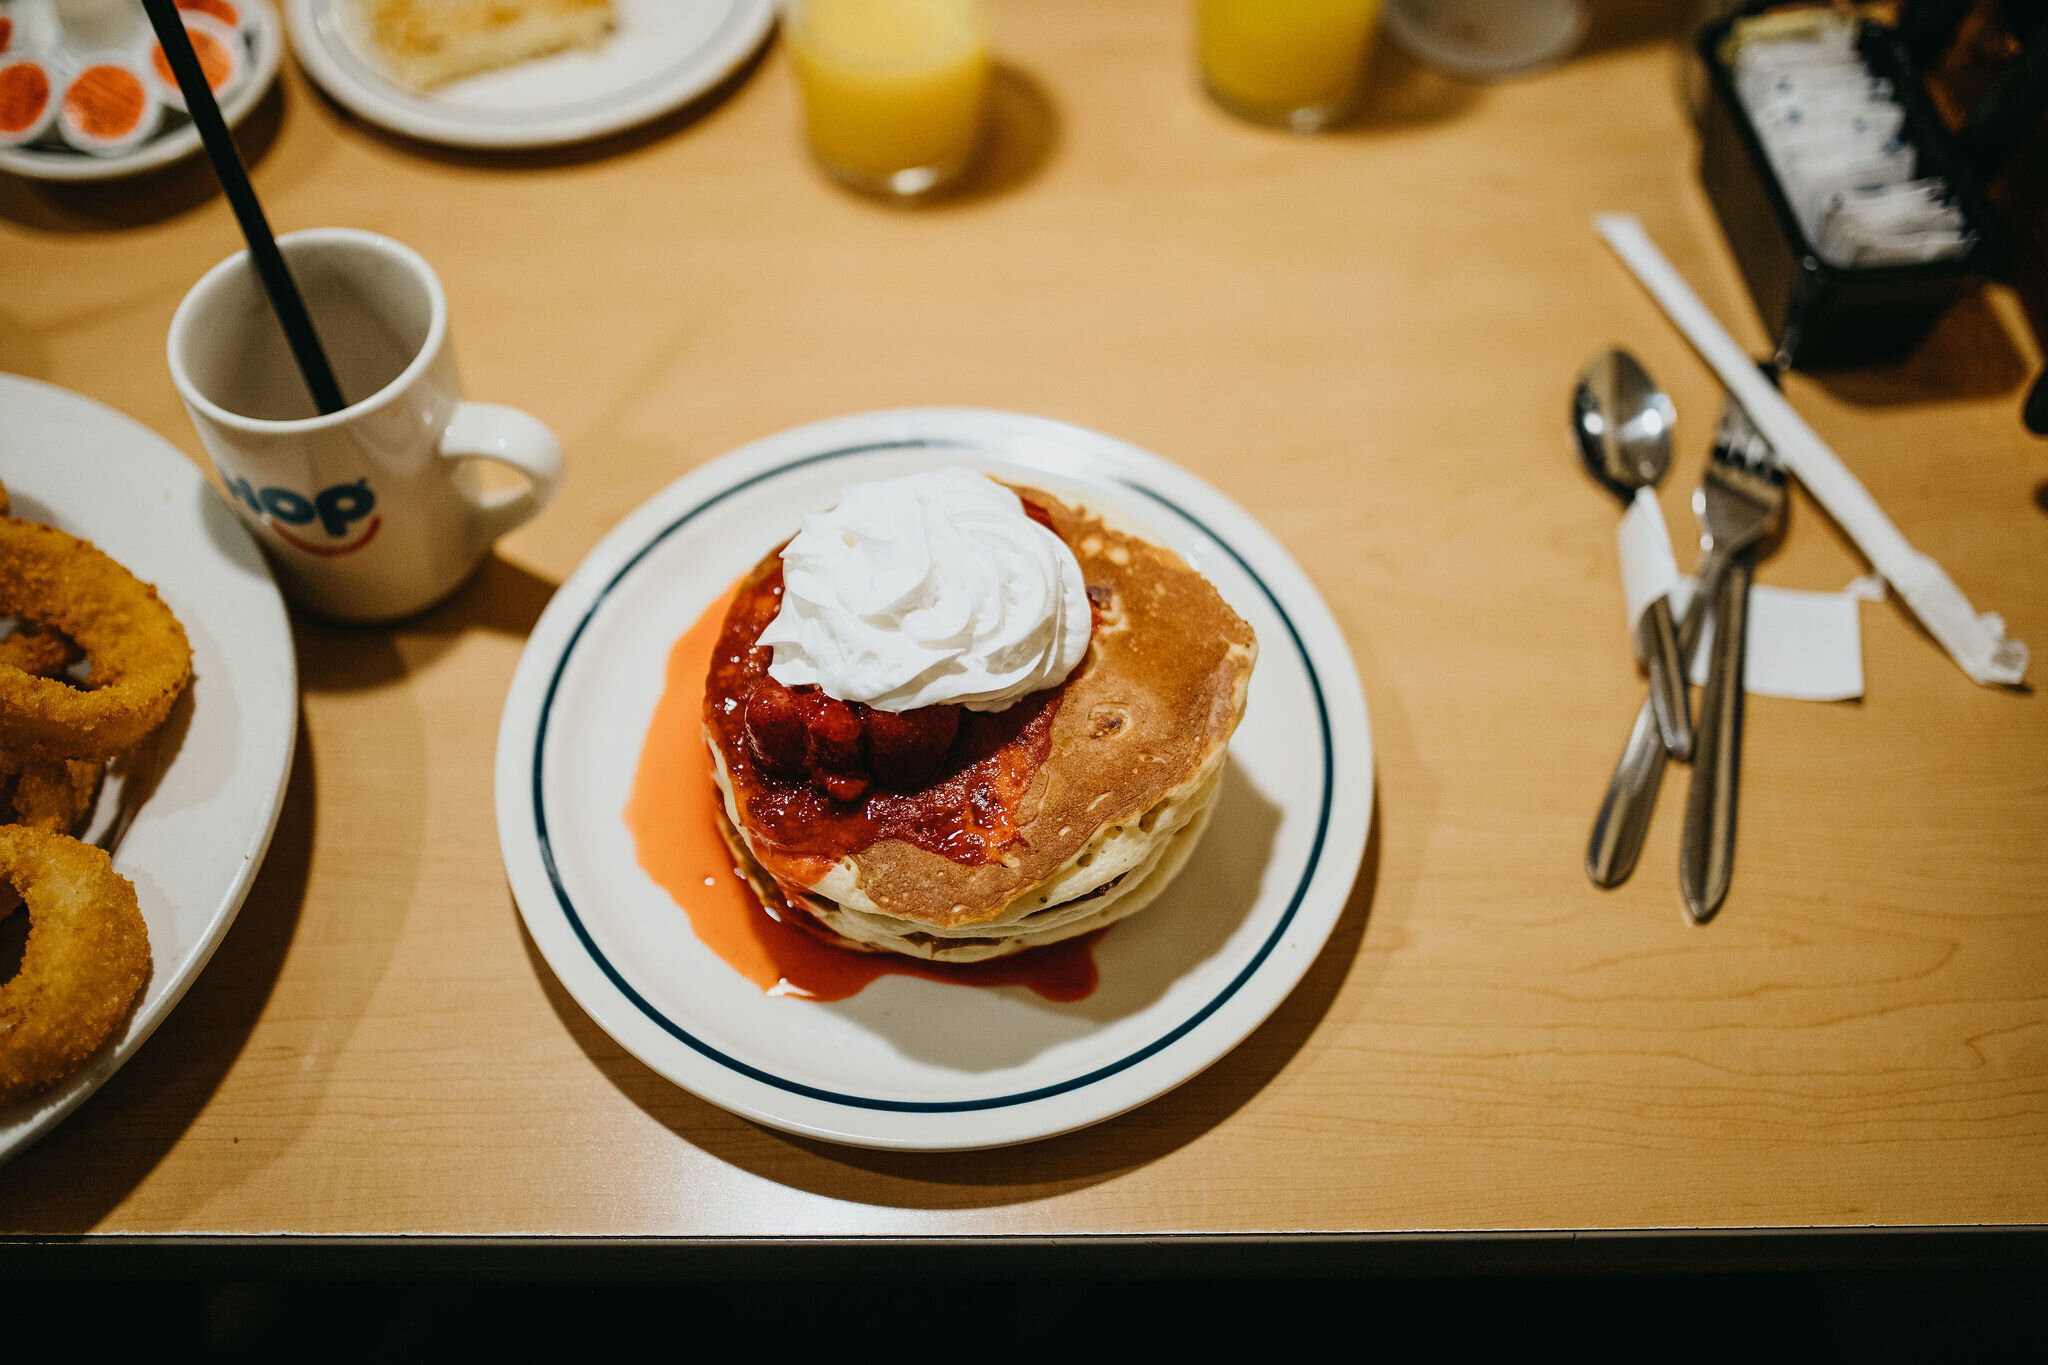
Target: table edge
x,y
1104,1256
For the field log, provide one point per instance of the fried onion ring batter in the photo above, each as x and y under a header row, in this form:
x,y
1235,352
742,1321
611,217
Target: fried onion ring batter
x,y
140,657
38,651
50,794
86,959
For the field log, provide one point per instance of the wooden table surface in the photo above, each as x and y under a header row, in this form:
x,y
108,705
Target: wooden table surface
x,y
1367,339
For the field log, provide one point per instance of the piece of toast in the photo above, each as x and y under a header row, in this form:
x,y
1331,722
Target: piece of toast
x,y
426,43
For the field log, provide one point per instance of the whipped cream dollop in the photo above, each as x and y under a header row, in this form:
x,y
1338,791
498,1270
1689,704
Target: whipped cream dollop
x,y
932,589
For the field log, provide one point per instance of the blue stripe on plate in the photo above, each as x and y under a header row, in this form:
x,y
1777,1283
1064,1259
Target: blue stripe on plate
x,y
684,1036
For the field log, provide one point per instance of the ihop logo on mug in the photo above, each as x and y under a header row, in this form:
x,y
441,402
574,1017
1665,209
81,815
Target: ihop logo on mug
x,y
422,522
336,509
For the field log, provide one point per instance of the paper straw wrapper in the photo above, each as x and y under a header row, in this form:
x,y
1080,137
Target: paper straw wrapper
x,y
1976,641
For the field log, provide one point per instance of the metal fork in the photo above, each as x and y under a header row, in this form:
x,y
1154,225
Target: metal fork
x,y
1739,504
1624,817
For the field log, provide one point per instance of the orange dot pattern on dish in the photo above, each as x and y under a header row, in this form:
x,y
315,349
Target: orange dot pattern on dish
x,y
105,101
24,91
214,63
219,9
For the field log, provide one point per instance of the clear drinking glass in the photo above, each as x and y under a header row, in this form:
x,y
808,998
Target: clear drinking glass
x,y
1296,64
1488,40
893,89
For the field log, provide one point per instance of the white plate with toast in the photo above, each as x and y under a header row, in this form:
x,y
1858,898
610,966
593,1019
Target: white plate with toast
x,y
188,816
911,1063
658,56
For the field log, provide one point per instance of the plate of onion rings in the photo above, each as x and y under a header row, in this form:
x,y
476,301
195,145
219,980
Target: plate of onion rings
x,y
148,715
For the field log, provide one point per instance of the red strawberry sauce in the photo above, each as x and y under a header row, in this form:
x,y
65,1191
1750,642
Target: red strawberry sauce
x,y
824,778
672,817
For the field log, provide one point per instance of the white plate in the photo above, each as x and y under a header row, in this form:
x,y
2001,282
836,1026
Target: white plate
x,y
265,38
910,1063
661,55
193,843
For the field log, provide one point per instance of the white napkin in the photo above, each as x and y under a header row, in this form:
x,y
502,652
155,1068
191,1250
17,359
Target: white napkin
x,y
1648,568
1977,643
1807,646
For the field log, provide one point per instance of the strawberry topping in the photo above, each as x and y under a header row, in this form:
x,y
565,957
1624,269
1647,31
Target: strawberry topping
x,y
834,750
907,748
844,747
775,729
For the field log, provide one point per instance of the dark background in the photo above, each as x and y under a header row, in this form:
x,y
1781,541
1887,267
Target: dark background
x,y
1852,1315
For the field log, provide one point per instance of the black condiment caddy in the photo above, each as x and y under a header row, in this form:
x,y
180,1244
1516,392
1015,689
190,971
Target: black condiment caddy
x,y
1820,315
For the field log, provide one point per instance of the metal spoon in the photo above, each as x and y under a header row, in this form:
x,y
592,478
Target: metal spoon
x,y
1623,423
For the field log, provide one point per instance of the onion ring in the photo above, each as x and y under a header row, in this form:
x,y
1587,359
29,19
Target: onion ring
x,y
51,794
140,657
38,651
86,959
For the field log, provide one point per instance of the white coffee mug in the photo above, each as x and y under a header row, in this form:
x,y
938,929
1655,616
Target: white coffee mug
x,y
377,511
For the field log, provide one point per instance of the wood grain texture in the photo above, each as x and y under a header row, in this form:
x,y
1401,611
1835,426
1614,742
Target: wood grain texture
x,y
1367,339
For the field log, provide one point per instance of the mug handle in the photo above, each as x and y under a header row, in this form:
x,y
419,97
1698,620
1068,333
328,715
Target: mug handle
x,y
492,431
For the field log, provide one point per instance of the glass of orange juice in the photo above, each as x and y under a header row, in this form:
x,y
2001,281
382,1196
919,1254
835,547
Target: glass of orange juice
x,y
1299,64
893,89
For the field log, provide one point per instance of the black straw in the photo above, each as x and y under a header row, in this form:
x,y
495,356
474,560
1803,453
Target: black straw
x,y
234,179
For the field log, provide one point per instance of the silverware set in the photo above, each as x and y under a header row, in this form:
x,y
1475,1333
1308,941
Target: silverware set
x,y
1623,422
1740,504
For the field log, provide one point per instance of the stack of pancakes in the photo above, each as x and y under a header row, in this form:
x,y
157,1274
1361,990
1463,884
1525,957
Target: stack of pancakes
x,y
1111,816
